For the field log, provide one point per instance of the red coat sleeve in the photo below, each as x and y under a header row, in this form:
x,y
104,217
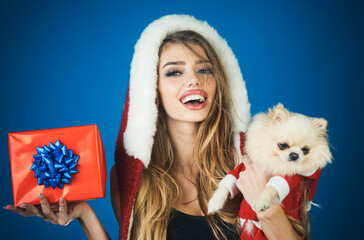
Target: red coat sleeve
x,y
237,170
314,181
284,184
229,181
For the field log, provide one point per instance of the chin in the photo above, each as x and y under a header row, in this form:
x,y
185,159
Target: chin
x,y
189,118
186,115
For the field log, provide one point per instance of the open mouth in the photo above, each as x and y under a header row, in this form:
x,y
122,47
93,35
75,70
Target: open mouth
x,y
193,99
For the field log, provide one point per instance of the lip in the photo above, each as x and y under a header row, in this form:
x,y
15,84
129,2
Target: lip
x,y
194,92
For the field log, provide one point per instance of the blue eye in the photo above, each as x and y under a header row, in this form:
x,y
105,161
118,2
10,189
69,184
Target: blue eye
x,y
173,73
205,71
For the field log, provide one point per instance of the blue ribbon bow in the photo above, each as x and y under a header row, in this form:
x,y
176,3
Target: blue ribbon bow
x,y
54,165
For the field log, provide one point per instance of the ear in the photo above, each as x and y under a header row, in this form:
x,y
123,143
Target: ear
x,y
278,114
320,123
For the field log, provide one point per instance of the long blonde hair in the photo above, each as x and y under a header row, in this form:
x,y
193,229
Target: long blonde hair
x,y
302,226
214,153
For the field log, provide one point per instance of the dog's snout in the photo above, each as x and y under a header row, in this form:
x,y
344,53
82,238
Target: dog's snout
x,y
293,156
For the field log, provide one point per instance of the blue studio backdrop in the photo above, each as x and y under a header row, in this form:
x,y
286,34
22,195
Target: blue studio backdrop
x,y
66,63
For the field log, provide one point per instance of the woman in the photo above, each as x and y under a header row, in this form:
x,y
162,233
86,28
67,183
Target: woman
x,y
181,132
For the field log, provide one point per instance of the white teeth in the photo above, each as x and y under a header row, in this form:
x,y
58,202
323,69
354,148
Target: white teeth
x,y
200,98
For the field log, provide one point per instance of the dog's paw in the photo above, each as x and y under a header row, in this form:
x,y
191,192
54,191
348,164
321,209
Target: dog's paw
x,y
218,199
263,203
265,199
214,205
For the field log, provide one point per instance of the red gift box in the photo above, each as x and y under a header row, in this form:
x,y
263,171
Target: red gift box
x,y
88,183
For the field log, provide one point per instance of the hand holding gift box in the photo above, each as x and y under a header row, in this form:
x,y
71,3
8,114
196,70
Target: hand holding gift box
x,y
64,163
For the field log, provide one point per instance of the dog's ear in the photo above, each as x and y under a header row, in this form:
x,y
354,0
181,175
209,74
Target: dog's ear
x,y
320,124
278,113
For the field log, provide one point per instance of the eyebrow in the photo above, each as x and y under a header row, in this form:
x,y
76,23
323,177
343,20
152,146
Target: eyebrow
x,y
183,63
174,63
202,61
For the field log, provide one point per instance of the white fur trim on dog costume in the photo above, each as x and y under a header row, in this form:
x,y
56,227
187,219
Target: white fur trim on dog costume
x,y
310,173
142,115
256,223
229,181
281,185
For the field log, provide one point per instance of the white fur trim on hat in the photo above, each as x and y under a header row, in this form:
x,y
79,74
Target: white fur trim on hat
x,y
142,114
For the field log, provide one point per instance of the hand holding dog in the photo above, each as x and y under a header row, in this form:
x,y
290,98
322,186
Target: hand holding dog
x,y
251,182
61,213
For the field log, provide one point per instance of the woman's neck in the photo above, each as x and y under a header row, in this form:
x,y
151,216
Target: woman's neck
x,y
183,135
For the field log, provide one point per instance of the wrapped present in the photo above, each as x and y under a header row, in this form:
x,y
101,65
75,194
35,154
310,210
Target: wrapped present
x,y
62,162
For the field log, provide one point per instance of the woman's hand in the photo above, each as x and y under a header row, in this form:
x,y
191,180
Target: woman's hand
x,y
274,222
61,213
251,182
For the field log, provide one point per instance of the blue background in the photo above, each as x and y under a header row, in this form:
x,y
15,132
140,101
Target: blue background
x,y
66,63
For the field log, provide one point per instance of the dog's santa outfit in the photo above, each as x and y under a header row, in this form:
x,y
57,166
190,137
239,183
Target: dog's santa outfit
x,y
138,125
290,192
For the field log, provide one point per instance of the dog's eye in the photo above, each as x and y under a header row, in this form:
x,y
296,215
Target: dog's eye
x,y
305,150
283,146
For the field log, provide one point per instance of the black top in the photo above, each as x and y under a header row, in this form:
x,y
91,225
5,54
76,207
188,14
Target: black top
x,y
183,226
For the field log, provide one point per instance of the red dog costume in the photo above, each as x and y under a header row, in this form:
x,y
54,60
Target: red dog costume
x,y
290,191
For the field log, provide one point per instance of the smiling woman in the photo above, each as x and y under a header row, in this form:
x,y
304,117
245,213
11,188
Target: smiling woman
x,y
193,117
185,82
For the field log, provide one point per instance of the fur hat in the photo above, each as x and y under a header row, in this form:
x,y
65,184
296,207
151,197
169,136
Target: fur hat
x,y
138,125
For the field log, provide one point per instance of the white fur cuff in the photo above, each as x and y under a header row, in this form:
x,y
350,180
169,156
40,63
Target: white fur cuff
x,y
229,181
309,173
281,185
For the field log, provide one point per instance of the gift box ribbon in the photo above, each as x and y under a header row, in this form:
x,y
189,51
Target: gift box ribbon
x,y
54,165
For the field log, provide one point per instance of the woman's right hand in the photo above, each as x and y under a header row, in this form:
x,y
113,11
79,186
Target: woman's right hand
x,y
61,213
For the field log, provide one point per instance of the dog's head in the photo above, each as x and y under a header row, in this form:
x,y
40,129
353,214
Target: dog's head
x,y
287,143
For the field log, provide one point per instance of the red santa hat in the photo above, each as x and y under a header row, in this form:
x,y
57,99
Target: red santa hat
x,y
138,126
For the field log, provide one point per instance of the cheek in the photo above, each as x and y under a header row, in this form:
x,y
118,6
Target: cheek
x,y
211,87
168,92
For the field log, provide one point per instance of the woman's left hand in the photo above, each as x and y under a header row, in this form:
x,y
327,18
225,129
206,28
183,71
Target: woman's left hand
x,y
251,182
274,222
61,213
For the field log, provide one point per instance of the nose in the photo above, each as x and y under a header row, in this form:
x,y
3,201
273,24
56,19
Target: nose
x,y
193,80
293,156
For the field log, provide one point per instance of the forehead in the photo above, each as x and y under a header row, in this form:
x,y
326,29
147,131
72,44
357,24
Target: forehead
x,y
180,52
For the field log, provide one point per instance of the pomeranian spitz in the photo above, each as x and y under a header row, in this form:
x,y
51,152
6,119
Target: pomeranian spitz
x,y
292,149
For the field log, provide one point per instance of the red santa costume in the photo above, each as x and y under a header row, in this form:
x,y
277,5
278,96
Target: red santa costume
x,y
138,125
290,192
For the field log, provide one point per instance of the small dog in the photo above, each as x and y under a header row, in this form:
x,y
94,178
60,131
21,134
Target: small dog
x,y
289,147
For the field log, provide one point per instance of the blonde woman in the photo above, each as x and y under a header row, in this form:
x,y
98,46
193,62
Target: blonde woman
x,y
182,131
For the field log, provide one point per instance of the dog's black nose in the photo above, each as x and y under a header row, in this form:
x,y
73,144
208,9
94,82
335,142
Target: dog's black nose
x,y
293,156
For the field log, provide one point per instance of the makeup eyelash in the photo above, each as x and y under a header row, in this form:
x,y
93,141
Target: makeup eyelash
x,y
208,70
173,73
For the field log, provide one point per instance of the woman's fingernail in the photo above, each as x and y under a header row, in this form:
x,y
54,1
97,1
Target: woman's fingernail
x,y
23,206
61,200
40,195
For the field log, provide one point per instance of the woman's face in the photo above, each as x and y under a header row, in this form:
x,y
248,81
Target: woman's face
x,y
185,82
